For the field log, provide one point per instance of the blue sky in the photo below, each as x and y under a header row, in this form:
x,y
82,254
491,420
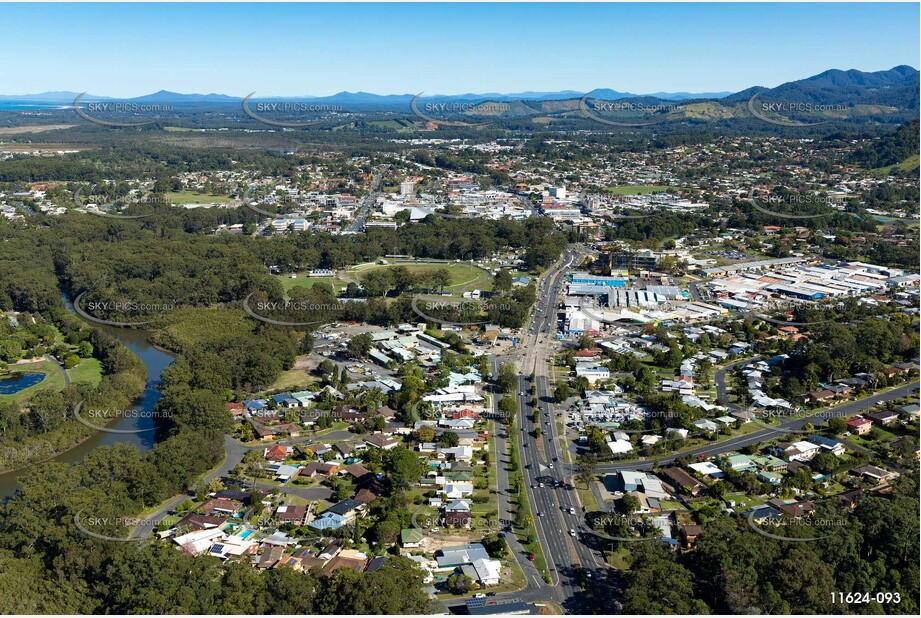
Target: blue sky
x,y
317,49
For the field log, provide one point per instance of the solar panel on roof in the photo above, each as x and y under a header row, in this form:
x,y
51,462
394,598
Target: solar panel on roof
x,y
217,549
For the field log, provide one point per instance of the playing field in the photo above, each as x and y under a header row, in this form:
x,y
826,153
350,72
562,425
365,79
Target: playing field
x,y
190,197
463,274
303,281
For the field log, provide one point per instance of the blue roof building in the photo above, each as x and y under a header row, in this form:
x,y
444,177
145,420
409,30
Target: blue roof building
x,y
328,521
611,282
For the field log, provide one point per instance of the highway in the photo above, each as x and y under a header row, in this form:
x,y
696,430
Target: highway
x,y
555,510
543,466
367,206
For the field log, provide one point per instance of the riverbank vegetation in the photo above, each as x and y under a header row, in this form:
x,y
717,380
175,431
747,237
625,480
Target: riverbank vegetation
x,y
189,287
44,424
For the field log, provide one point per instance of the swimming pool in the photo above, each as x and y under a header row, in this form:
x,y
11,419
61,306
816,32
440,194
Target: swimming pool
x,y
246,534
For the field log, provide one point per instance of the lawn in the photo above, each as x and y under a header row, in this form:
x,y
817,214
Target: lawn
x,y
745,502
528,531
190,197
638,189
620,559
89,371
294,377
587,498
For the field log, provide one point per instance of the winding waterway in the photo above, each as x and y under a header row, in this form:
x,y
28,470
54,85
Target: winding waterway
x,y
155,361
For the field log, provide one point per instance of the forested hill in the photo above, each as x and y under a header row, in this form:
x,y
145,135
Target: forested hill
x,y
892,149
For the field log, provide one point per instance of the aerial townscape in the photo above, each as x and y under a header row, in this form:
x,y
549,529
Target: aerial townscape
x,y
530,352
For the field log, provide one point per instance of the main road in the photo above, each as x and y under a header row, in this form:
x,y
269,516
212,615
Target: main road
x,y
558,516
367,207
769,433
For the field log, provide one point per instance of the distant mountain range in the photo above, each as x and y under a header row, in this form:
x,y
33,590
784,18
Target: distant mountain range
x,y
165,96
897,87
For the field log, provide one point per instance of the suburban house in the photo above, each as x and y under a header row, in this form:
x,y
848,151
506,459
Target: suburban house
x,y
220,506
338,515
770,463
457,514
884,418
199,521
381,441
681,481
270,557
277,453
486,572
198,541
705,426
689,534
792,508
817,396
859,425
457,491
740,463
828,445
411,538
292,514
873,473
283,472
802,450
449,558
346,559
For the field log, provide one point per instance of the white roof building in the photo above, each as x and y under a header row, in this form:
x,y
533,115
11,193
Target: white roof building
x,y
619,447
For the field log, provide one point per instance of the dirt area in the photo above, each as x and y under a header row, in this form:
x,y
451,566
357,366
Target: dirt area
x,y
36,128
305,363
432,543
43,148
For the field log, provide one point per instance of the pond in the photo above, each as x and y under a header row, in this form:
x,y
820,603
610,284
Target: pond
x,y
19,381
156,361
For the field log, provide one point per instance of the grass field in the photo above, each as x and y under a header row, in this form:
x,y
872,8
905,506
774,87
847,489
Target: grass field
x,y
303,281
88,371
189,197
462,273
638,189
291,378
911,163
464,276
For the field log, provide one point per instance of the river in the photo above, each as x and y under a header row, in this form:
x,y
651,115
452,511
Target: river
x,y
155,361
